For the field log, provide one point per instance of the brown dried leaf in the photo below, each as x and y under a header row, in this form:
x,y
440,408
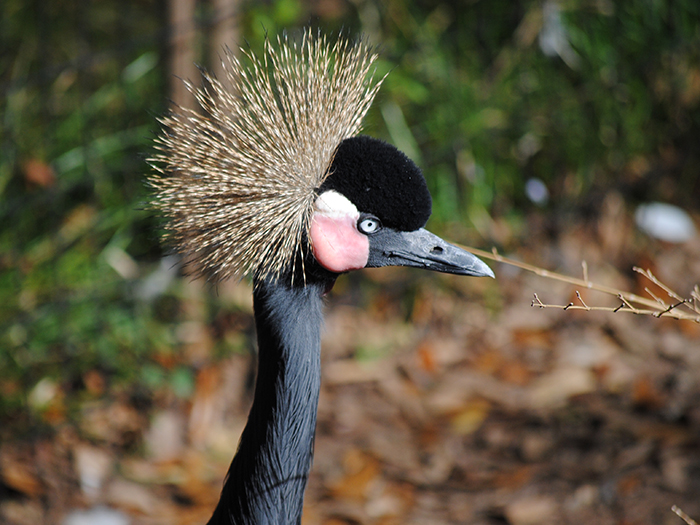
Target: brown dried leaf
x,y
645,394
536,510
540,337
361,471
556,388
470,417
426,357
20,476
515,373
489,362
38,173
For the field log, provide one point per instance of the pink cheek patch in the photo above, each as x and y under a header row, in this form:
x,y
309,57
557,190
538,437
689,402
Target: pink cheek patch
x,y
337,244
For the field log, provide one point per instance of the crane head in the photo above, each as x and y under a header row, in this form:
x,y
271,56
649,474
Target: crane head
x,y
272,169
371,210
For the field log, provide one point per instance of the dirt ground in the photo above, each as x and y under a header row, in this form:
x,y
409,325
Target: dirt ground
x,y
445,400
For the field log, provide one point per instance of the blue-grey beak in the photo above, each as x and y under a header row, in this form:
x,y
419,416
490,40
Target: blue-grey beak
x,y
422,249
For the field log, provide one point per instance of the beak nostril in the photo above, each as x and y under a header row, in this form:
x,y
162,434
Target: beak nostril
x,y
437,249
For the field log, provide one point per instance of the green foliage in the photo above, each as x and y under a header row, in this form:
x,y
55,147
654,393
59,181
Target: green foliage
x,y
77,113
496,110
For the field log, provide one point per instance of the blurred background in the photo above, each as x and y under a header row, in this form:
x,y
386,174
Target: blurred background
x,y
546,129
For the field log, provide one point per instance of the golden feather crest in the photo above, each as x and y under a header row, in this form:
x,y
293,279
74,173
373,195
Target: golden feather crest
x,y
237,180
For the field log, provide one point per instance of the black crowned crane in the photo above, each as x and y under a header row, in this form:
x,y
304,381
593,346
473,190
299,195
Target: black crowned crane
x,y
271,180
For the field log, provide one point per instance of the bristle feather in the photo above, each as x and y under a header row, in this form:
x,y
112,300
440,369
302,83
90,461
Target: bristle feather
x,y
236,183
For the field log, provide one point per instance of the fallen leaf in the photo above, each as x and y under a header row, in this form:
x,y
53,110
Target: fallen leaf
x,y
426,357
645,394
361,471
20,476
556,388
93,465
470,418
516,373
38,173
628,484
536,510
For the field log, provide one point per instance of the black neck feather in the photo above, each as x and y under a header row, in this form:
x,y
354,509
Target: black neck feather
x,y
267,477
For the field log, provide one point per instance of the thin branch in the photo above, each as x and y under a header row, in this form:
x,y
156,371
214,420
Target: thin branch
x,y
626,303
682,515
655,306
536,302
495,256
671,307
647,273
578,295
661,302
571,306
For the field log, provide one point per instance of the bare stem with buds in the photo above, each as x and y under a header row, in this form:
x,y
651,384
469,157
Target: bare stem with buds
x,y
675,306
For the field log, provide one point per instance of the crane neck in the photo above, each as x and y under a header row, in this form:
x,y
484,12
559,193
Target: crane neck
x,y
267,477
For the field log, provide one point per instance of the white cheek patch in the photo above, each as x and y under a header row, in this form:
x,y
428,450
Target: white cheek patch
x,y
333,204
337,244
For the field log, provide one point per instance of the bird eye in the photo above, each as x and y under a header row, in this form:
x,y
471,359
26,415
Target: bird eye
x,y
368,224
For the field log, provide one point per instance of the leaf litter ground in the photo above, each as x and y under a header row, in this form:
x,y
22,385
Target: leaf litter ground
x,y
444,400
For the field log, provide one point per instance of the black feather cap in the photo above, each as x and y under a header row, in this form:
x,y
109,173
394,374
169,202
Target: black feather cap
x,y
379,179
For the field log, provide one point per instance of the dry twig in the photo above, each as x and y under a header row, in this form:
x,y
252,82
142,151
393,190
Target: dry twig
x,y
677,308
682,515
